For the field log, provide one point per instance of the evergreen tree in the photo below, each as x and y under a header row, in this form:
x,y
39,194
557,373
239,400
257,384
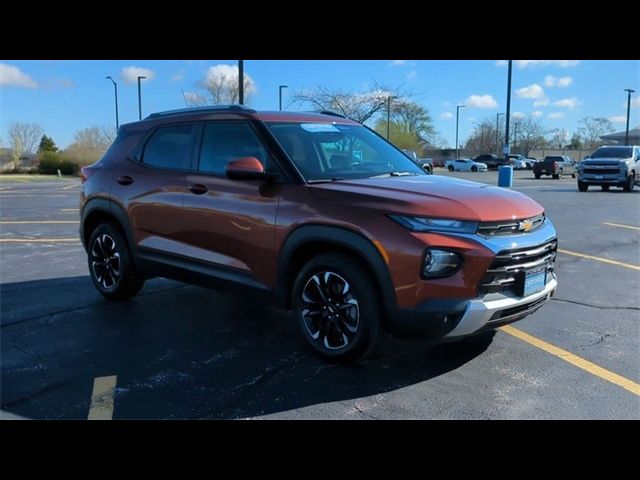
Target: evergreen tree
x,y
47,145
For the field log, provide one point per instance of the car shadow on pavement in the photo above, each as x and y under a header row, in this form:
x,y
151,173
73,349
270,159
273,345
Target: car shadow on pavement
x,y
184,352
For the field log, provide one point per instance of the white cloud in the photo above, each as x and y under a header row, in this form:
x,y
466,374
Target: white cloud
x,y
618,119
635,102
131,74
518,115
11,76
541,102
556,115
536,114
481,101
446,115
551,81
545,63
177,77
569,103
534,91
501,63
225,73
411,75
398,63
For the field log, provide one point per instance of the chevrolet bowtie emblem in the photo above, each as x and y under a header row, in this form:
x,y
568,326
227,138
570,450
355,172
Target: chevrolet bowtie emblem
x,y
525,225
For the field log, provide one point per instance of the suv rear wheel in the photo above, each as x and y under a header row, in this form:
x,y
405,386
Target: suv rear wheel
x,y
110,264
336,308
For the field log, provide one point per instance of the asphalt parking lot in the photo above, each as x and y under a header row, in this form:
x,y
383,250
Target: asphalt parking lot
x,y
179,351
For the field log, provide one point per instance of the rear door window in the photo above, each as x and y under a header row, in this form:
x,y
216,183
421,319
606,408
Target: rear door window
x,y
170,147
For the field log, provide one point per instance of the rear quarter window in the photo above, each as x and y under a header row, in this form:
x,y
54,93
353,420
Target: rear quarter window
x,y
170,147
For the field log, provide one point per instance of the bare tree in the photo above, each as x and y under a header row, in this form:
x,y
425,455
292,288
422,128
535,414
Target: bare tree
x,y
360,107
89,144
557,138
411,127
592,128
23,138
221,87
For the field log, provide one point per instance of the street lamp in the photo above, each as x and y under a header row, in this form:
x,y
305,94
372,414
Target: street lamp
x,y
140,98
115,87
389,98
508,115
626,135
280,94
497,132
241,82
458,107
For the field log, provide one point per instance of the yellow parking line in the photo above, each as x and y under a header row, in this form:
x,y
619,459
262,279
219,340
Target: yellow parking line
x,y
38,240
621,226
102,398
600,259
21,222
575,360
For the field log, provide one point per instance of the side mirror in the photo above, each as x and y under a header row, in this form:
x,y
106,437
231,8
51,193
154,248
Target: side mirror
x,y
246,168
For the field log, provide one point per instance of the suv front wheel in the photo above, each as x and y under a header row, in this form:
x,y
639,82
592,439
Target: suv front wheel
x,y
630,183
110,265
336,307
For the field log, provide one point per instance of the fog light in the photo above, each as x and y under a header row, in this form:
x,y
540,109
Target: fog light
x,y
440,263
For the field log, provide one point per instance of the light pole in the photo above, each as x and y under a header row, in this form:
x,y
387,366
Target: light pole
x,y
389,98
241,82
458,107
508,115
115,87
280,94
140,98
626,135
498,132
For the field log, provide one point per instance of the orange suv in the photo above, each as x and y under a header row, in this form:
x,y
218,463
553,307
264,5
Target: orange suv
x,y
318,213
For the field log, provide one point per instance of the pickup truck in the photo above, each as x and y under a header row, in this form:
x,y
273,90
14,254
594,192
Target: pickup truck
x,y
491,161
556,166
610,166
425,163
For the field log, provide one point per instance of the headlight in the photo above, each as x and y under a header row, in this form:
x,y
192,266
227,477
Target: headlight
x,y
419,224
440,263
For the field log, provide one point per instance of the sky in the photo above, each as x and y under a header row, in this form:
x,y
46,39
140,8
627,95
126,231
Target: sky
x,y
67,95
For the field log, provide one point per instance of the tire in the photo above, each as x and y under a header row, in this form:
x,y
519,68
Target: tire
x,y
120,280
556,176
537,175
630,184
605,188
573,175
450,168
474,169
340,337
583,187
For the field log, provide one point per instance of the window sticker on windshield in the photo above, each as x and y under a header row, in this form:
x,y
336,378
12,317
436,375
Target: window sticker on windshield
x,y
319,128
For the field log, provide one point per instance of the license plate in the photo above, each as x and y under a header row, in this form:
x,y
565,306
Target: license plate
x,y
599,177
534,281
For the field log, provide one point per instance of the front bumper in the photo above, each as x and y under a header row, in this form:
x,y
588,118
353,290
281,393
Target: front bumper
x,y
613,180
481,314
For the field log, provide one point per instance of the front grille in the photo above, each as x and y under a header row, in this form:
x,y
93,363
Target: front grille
x,y
602,171
507,271
511,227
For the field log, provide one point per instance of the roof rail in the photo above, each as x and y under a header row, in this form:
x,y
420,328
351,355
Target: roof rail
x,y
333,114
208,108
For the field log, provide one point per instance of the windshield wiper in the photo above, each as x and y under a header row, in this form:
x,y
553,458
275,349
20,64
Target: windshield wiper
x,y
395,174
324,180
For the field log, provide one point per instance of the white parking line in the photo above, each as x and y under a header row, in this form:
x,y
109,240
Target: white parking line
x,y
102,398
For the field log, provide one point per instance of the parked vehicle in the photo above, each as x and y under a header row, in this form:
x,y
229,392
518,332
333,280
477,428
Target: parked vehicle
x,y
518,162
610,166
491,161
465,165
425,163
556,166
319,214
530,162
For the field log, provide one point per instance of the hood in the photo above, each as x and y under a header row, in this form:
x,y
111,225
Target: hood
x,y
431,195
605,161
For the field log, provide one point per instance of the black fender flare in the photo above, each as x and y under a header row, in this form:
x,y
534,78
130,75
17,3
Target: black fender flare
x,y
343,237
112,209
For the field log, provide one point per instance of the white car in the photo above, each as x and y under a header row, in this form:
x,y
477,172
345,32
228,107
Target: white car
x,y
465,165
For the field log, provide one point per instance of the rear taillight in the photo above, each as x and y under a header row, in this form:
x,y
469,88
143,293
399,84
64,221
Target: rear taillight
x,y
85,173
555,165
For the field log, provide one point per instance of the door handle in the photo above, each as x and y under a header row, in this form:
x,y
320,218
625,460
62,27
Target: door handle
x,y
125,180
198,189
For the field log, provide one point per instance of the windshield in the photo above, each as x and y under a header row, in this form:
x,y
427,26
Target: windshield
x,y
612,152
326,151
